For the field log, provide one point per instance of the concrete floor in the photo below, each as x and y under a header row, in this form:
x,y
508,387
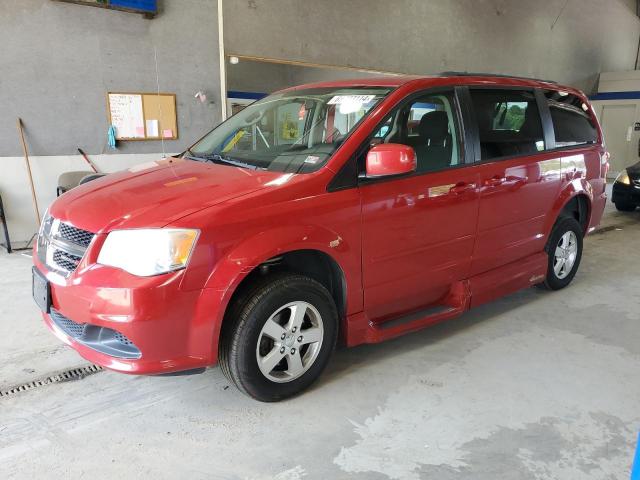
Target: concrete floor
x,y
537,385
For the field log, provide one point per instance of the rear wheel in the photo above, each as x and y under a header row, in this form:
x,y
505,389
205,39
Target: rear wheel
x,y
565,252
280,337
625,207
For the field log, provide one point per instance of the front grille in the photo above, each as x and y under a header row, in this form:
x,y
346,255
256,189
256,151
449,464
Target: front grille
x,y
68,326
75,235
66,261
61,246
101,339
122,339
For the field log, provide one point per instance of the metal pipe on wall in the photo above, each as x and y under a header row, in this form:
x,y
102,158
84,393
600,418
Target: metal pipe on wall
x,y
223,64
638,50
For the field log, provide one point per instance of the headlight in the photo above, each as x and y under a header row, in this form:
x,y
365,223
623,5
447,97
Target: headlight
x,y
43,222
623,177
148,252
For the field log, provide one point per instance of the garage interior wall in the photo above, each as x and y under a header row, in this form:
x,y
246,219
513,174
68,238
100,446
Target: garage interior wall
x,y
266,77
617,105
569,41
59,60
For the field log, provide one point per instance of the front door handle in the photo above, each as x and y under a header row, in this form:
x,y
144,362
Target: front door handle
x,y
494,181
516,181
462,187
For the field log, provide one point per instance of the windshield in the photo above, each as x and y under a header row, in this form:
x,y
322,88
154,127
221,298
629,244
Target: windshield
x,y
295,131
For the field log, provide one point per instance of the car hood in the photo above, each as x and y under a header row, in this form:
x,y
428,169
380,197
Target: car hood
x,y
634,170
155,194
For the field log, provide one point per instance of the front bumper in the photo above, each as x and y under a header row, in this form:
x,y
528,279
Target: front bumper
x,y
621,193
597,210
172,328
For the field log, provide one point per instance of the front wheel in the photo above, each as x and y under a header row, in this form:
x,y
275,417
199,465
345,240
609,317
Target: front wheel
x,y
280,337
565,252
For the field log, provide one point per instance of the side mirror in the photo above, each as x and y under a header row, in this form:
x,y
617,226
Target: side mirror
x,y
390,159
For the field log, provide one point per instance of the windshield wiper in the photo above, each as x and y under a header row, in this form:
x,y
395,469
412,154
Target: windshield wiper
x,y
195,157
217,158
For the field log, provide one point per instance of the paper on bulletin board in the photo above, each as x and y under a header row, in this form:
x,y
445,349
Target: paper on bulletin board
x,y
127,115
153,128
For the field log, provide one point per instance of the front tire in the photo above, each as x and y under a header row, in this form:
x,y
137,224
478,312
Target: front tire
x,y
279,337
565,252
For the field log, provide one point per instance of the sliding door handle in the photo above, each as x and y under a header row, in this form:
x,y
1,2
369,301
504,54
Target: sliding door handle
x,y
494,181
462,187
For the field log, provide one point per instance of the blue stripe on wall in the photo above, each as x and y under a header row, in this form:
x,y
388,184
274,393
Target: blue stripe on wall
x,y
149,6
616,96
635,470
245,95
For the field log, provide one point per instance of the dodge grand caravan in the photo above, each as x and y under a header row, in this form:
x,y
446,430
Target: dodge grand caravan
x,y
350,212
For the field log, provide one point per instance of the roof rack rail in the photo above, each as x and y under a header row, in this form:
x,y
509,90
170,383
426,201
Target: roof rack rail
x,y
498,75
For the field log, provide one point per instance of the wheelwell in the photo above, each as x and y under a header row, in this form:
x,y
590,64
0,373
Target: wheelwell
x,y
578,208
311,263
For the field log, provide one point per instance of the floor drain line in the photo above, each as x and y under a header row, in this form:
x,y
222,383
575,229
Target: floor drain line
x,y
66,376
606,229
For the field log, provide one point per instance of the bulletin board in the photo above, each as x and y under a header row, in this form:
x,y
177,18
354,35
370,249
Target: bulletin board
x,y
143,116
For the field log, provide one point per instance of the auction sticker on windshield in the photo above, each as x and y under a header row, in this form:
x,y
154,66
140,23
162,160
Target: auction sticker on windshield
x,y
361,99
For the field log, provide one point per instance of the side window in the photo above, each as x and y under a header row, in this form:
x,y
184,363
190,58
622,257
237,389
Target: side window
x,y
383,132
508,122
572,123
428,124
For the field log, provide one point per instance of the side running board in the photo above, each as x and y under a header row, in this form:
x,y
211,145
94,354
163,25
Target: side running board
x,y
456,302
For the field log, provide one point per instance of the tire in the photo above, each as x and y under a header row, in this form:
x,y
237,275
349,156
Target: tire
x,y
624,206
566,235
252,338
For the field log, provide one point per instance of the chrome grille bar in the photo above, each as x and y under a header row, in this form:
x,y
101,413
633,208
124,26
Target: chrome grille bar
x,y
61,246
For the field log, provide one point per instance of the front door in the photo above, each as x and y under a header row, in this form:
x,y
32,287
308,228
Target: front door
x,y
418,231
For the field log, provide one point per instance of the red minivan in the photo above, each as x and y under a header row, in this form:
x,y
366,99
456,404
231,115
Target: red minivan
x,y
351,211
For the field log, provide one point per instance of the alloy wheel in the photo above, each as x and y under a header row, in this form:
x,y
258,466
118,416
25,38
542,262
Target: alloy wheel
x,y
565,255
289,342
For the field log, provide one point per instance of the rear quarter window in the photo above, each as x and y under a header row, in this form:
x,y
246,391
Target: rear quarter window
x,y
572,124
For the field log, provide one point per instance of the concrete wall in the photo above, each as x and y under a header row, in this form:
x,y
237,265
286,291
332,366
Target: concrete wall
x,y
58,60
267,77
260,77
626,81
570,41
300,75
631,5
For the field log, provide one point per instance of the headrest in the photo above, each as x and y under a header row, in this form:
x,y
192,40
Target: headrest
x,y
434,126
531,127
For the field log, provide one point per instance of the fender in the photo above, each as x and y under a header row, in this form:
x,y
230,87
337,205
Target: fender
x,y
255,250
231,270
577,186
